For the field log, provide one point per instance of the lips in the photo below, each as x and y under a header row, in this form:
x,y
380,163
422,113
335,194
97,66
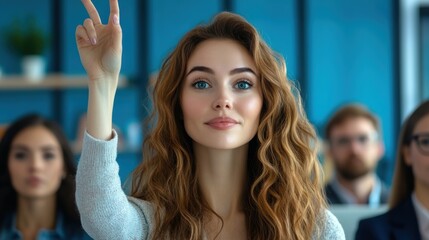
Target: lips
x,y
222,123
33,181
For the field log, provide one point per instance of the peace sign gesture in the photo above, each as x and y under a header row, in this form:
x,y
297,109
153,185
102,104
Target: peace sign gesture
x,y
100,45
100,50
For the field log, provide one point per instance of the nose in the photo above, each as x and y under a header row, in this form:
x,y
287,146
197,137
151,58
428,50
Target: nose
x,y
36,162
223,100
222,104
356,146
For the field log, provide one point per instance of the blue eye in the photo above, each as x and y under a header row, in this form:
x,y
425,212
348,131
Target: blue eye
x,y
201,85
243,85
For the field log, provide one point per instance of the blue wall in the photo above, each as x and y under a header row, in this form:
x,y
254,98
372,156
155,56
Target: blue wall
x,y
276,22
170,20
350,59
349,55
74,13
13,104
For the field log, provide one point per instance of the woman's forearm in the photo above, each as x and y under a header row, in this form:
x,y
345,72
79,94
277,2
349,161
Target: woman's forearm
x,y
100,108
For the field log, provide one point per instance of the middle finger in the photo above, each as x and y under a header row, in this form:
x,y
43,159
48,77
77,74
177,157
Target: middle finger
x,y
92,11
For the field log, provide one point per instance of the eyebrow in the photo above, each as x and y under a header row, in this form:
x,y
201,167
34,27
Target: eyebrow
x,y
200,69
44,148
241,70
20,147
210,71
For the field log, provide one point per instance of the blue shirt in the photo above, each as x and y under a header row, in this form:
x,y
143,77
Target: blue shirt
x,y
62,230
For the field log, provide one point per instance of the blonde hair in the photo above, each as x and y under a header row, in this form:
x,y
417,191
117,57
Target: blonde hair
x,y
284,198
403,179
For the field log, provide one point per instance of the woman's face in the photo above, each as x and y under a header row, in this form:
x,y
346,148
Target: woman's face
x,y
415,154
221,96
36,164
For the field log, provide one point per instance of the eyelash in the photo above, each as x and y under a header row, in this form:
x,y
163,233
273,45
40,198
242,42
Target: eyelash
x,y
250,84
198,81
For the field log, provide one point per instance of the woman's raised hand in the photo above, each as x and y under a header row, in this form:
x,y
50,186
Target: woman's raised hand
x,y
100,45
100,50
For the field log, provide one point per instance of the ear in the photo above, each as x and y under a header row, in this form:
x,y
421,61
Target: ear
x,y
406,153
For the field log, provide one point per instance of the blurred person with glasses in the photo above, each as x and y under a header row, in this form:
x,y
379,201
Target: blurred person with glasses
x,y
354,145
408,214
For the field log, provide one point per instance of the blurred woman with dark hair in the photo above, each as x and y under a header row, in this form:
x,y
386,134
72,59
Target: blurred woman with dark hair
x,y
37,182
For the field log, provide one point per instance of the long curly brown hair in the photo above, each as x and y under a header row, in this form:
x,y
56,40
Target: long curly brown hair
x,y
284,198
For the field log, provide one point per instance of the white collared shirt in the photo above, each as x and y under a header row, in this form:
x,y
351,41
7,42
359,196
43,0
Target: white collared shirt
x,y
347,197
422,214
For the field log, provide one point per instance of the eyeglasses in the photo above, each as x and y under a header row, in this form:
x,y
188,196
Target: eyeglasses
x,y
344,142
422,140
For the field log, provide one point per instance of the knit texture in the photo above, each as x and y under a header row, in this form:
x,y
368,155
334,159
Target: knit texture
x,y
107,213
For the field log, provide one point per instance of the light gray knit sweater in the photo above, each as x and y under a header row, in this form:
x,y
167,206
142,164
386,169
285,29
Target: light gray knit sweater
x,y
107,213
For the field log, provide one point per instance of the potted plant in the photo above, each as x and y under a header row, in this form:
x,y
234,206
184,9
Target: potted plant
x,y
29,42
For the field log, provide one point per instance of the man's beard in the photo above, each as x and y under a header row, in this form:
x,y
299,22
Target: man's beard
x,y
353,168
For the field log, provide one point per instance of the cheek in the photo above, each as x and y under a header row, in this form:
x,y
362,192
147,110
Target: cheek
x,y
415,158
16,171
252,106
339,155
192,107
372,151
56,170
420,167
419,162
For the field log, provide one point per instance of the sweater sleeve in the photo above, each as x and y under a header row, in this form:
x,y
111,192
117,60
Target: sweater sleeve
x,y
332,228
106,212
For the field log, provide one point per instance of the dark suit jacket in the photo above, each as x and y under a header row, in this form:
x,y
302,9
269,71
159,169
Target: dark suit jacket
x,y
334,198
399,223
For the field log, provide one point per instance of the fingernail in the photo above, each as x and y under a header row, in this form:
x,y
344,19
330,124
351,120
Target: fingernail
x,y
116,19
93,41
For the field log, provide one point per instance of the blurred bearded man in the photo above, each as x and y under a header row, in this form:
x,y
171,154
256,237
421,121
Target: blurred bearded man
x,y
354,142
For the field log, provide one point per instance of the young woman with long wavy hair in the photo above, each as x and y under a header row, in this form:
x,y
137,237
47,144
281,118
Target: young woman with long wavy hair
x,y
231,154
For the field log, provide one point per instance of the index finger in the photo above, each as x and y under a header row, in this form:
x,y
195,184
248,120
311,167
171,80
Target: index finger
x,y
114,8
92,11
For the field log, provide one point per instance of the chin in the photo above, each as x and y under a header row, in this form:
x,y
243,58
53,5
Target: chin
x,y
37,195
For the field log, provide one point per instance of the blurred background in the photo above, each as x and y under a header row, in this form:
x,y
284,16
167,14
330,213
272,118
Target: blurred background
x,y
373,52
